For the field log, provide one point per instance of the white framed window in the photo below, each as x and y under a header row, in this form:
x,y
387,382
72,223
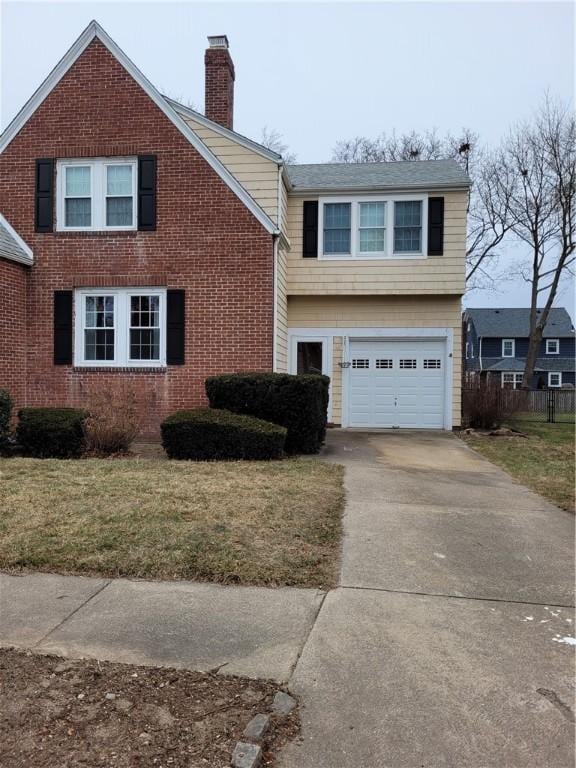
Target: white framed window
x,y
554,379
552,346
120,327
508,347
96,195
511,380
372,227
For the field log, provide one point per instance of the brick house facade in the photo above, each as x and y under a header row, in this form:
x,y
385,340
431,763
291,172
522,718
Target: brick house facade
x,y
145,243
206,242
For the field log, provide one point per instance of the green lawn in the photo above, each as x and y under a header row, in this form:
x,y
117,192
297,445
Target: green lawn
x,y
273,523
544,460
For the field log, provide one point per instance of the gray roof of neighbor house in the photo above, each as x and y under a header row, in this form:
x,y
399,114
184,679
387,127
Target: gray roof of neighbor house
x,y
408,174
515,323
11,244
518,364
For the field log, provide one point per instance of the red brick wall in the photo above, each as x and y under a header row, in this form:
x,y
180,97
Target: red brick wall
x,y
219,86
206,242
13,278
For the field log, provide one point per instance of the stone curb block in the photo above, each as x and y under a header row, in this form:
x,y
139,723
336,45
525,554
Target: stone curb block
x,y
246,755
257,728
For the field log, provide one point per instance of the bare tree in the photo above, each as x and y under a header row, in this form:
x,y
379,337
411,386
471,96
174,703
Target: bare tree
x,y
488,221
536,177
273,139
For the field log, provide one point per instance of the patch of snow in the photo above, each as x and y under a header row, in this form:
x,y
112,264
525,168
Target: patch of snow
x,y
528,618
566,640
440,555
544,621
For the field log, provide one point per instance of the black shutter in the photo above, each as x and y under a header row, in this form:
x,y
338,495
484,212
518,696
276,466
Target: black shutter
x,y
147,193
175,327
435,226
310,230
44,195
62,327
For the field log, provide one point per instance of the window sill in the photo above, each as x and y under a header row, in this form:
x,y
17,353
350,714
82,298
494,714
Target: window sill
x,y
158,369
96,233
367,257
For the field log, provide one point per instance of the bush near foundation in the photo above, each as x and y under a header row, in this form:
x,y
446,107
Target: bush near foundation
x,y
299,403
51,433
207,434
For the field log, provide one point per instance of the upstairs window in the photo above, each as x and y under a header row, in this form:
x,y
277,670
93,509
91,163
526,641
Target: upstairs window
x,y
552,346
337,228
372,227
96,195
508,347
408,226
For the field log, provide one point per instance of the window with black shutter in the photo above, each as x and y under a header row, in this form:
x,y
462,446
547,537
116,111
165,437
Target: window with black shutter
x,y
147,193
435,226
44,205
310,230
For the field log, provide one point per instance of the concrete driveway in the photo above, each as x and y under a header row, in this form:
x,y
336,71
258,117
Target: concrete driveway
x,y
450,639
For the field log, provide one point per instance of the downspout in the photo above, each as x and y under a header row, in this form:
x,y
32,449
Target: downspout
x,y
480,351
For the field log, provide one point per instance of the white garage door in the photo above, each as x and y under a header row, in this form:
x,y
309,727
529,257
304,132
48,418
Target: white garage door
x,y
396,384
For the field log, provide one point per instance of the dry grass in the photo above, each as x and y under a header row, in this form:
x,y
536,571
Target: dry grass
x,y
273,523
544,461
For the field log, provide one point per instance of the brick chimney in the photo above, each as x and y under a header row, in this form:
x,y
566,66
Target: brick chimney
x,y
219,82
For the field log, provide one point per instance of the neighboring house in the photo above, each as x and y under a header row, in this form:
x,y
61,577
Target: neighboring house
x,y
496,345
141,241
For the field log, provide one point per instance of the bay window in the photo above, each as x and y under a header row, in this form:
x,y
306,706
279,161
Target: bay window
x,y
120,327
372,228
96,195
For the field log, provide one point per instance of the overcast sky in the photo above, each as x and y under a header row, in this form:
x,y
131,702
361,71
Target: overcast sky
x,y
323,72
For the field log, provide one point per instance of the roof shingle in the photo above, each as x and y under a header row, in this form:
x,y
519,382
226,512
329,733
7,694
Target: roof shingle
x,y
515,323
408,174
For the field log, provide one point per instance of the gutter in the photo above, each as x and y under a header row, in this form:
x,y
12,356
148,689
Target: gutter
x,y
379,190
480,353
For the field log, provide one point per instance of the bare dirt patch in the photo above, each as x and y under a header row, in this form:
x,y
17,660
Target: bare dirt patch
x,y
58,713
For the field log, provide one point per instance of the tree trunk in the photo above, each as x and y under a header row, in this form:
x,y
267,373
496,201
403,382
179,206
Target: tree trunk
x,y
532,356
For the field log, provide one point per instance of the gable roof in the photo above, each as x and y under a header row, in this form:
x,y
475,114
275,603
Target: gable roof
x,y
222,131
95,31
406,174
518,364
12,246
515,323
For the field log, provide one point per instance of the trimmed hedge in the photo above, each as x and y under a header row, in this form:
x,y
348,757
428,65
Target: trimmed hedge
x,y
54,433
206,434
5,412
299,403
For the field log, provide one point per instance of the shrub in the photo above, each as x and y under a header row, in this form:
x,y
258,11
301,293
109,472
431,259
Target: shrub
x,y
51,432
5,416
486,405
206,434
113,420
299,403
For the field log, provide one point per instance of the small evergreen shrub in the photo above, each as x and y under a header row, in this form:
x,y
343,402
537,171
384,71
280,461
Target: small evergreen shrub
x,y
207,434
299,403
55,433
5,412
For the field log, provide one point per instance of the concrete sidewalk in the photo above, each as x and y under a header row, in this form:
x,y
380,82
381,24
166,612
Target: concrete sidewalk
x,y
448,641
249,631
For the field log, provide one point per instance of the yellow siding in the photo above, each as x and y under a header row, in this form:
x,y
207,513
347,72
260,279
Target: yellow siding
x,y
283,223
257,174
379,312
433,275
281,314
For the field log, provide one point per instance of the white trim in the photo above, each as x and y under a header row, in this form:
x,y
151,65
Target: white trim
x,y
517,381
371,333
388,253
121,327
92,31
98,195
555,341
555,373
244,141
327,342
513,341
29,258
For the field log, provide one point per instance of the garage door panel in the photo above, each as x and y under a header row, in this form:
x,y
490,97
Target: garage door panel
x,y
397,383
